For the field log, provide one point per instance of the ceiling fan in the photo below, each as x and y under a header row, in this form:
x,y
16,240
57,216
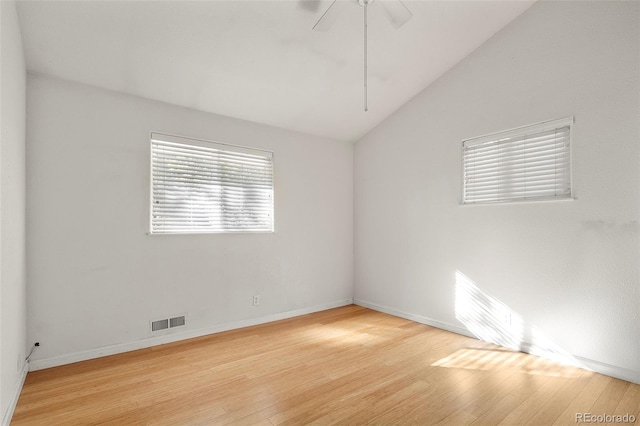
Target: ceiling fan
x,y
395,11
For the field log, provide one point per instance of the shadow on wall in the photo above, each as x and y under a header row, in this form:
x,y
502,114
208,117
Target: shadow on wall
x,y
492,321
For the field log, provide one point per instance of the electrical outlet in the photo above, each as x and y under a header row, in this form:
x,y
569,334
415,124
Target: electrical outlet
x,y
507,318
256,300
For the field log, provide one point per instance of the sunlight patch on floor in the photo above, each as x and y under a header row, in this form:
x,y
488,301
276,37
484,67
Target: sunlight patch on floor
x,y
335,336
494,359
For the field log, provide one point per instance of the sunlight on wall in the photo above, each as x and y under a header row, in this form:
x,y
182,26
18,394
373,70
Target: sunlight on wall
x,y
492,321
486,317
545,348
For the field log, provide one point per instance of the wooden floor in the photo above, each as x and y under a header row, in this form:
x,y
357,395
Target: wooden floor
x,y
346,366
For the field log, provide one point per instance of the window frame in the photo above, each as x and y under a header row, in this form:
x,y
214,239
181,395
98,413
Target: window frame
x,y
191,141
515,132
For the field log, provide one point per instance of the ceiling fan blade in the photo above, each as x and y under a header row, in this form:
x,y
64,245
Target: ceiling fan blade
x,y
396,12
329,17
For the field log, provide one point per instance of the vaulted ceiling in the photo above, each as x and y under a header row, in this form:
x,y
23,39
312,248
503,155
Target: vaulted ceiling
x,y
259,60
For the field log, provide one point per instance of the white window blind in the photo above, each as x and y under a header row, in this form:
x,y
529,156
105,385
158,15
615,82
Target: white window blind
x,y
206,187
528,163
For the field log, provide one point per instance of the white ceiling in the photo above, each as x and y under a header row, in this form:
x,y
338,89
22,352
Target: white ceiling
x,y
259,60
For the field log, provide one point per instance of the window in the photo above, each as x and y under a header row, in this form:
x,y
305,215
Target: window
x,y
524,164
205,187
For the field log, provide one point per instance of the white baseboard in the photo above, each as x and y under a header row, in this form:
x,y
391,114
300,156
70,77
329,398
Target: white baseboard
x,y
414,317
592,365
610,370
39,364
8,414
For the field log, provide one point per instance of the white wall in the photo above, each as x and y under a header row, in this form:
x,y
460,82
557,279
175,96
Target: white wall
x,y
12,211
570,269
96,278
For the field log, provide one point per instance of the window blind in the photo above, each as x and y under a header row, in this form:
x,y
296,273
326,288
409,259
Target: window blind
x,y
205,187
528,163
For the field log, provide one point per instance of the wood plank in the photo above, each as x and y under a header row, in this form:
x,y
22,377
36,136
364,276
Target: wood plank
x,y
346,366
584,400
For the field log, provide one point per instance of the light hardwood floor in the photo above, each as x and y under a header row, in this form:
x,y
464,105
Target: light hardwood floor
x,y
347,366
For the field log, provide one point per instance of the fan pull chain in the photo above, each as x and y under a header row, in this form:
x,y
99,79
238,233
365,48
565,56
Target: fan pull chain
x,y
365,56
